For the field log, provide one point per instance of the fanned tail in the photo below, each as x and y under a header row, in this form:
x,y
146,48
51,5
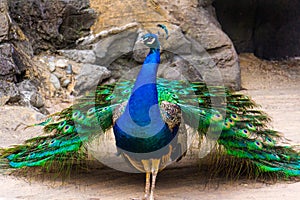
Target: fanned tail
x,y
243,130
246,135
64,133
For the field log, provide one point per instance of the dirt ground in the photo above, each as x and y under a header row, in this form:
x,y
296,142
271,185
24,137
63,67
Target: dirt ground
x,y
274,85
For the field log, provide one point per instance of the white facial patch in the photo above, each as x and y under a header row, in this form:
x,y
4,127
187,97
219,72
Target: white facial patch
x,y
152,41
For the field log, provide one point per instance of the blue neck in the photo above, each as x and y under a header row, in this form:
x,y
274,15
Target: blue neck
x,y
144,94
147,74
142,109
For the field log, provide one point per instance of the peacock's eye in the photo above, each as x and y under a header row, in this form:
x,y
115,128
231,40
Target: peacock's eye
x,y
91,111
258,143
61,125
75,114
81,117
110,97
31,154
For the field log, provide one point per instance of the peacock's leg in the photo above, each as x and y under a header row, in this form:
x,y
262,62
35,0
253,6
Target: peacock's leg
x,y
147,186
147,168
155,168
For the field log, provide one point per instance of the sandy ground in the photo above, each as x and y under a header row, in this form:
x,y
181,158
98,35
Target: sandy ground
x,y
273,85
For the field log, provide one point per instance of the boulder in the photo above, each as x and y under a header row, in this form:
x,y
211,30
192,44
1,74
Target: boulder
x,y
80,56
89,77
194,31
13,62
110,48
4,21
51,25
30,95
8,93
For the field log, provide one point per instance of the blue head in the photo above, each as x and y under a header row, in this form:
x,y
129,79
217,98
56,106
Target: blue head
x,y
151,40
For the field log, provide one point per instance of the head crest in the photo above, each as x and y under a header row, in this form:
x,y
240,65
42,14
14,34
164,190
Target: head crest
x,y
165,29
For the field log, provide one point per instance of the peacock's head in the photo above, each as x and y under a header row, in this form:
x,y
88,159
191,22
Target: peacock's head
x,y
150,40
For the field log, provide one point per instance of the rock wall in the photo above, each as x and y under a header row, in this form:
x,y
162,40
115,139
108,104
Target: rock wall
x,y
270,29
52,24
33,27
188,21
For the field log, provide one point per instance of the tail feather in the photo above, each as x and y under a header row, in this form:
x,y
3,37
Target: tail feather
x,y
244,130
64,134
243,127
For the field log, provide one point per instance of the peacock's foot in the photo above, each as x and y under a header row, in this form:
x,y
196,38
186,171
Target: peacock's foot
x,y
146,197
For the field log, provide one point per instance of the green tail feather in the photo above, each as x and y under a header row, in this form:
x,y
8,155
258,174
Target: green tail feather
x,y
243,127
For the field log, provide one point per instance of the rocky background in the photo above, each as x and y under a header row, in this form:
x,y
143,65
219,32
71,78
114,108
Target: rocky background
x,y
270,29
56,50
53,51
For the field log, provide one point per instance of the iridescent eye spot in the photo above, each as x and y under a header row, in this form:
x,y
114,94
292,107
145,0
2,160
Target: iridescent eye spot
x,y
91,110
251,127
126,91
61,125
217,117
110,97
244,133
259,144
174,96
227,125
81,117
234,117
230,121
67,128
269,141
75,114
52,141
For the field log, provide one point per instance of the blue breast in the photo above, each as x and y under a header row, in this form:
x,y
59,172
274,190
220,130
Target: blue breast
x,y
141,129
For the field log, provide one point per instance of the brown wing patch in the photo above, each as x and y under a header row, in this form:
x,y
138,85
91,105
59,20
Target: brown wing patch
x,y
171,114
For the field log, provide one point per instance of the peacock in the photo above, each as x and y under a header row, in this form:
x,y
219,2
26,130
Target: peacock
x,y
152,120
